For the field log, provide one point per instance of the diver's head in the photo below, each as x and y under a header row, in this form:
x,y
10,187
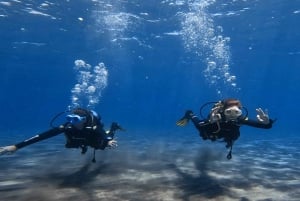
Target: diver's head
x,y
231,102
75,119
232,109
78,118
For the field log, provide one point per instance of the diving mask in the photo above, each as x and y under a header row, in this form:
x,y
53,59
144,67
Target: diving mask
x,y
232,112
75,119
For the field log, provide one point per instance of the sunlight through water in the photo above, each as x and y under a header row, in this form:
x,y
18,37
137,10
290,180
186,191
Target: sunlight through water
x,y
111,18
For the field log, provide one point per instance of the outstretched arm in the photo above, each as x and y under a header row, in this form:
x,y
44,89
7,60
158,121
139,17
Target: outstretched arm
x,y
48,134
263,120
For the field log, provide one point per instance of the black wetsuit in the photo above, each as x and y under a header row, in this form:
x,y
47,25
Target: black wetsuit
x,y
229,131
91,134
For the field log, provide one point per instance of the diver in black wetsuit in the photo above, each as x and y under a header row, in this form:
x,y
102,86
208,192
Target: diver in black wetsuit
x,y
82,129
224,121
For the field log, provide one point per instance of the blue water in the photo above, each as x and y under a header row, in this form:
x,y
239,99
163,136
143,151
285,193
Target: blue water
x,y
159,58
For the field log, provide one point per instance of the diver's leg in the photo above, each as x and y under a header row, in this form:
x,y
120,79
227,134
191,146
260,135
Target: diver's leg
x,y
113,128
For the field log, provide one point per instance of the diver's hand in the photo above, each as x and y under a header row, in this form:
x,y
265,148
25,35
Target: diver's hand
x,y
8,149
262,116
215,117
112,144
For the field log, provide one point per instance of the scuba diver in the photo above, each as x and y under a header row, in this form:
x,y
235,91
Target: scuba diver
x,y
224,121
83,128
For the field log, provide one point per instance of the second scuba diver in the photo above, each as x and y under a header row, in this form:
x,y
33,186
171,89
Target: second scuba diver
x,y
224,121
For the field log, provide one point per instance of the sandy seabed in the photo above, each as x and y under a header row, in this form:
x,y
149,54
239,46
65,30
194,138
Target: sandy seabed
x,y
261,170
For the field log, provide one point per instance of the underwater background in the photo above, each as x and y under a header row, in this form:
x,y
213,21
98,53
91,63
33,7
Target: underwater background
x,y
143,64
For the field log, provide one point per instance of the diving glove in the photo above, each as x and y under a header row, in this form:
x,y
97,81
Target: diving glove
x,y
185,119
262,116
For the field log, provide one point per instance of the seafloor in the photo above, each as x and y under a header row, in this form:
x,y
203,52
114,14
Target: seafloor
x,y
162,170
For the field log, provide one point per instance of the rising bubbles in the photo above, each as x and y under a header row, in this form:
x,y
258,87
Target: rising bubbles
x,y
90,83
201,36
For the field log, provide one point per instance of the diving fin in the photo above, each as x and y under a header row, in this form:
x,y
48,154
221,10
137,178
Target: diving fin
x,y
115,126
182,122
185,119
